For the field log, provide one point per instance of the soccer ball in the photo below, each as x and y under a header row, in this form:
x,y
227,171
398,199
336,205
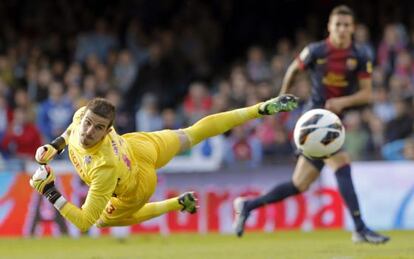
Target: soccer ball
x,y
319,133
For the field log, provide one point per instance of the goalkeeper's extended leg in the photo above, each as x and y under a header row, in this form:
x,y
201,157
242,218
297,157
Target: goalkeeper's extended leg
x,y
186,202
219,123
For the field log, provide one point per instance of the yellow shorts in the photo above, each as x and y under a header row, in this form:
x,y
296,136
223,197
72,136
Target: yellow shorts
x,y
151,151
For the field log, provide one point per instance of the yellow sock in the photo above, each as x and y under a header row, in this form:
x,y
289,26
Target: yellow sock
x,y
219,123
155,209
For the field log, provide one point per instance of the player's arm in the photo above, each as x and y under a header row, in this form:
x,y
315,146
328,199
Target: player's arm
x,y
289,77
100,191
301,62
47,152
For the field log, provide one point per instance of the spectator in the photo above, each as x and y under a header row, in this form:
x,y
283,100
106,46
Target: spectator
x,y
266,133
197,103
91,63
257,67
219,103
156,77
147,117
277,70
242,146
123,122
97,42
404,65
375,128
391,45
401,125
302,38
396,87
356,137
73,76
125,71
75,96
22,137
55,114
284,50
283,147
21,99
5,116
38,91
378,78
6,71
401,149
103,80
58,69
170,119
239,86
89,87
362,38
264,91
382,106
136,41
193,49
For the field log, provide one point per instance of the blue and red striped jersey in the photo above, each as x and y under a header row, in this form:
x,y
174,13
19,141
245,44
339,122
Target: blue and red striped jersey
x,y
334,72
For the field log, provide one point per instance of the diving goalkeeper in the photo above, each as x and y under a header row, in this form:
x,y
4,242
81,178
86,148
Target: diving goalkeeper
x,y
120,170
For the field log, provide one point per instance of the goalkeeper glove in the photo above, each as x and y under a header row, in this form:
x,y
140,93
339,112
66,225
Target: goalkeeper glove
x,y
47,152
42,177
43,181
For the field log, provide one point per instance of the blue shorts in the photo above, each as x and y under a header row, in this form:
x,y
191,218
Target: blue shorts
x,y
319,163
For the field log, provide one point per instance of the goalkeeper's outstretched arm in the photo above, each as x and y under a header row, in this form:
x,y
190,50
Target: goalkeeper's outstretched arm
x,y
100,191
47,152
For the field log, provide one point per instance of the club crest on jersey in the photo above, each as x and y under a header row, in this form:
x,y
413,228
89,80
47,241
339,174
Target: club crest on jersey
x,y
351,63
87,160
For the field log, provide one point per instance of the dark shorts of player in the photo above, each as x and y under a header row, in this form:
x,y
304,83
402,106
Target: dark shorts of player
x,y
318,163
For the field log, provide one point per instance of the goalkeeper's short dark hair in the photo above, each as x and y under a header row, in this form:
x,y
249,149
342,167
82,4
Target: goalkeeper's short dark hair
x,y
103,108
344,10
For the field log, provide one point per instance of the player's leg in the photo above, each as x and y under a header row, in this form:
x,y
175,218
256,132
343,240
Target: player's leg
x,y
219,123
168,143
340,163
119,210
305,173
185,202
119,213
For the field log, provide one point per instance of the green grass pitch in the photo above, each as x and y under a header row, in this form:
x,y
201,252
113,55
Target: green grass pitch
x,y
283,244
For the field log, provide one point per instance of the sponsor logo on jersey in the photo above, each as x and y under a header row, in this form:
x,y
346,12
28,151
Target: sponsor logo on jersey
x,y
334,79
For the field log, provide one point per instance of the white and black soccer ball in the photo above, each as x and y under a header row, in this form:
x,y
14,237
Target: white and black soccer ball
x,y
319,133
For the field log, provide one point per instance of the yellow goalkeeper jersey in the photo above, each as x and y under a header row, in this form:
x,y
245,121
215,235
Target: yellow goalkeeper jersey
x,y
108,168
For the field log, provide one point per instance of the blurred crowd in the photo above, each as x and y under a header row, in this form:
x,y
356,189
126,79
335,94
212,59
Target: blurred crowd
x,y
171,75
